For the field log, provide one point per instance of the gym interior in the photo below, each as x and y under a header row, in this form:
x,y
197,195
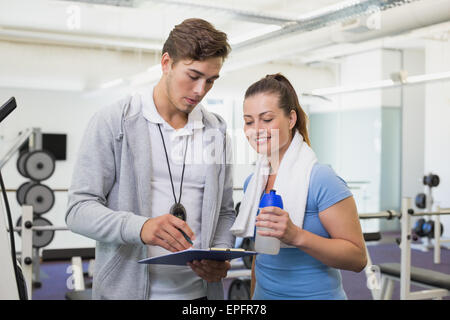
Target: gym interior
x,y
372,76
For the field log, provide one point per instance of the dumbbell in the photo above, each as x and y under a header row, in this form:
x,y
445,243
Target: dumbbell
x,y
421,201
424,228
431,180
418,228
428,229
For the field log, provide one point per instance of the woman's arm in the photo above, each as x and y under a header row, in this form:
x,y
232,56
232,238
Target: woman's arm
x,y
346,247
344,250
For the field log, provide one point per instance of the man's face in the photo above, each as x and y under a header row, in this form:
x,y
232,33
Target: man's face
x,y
188,81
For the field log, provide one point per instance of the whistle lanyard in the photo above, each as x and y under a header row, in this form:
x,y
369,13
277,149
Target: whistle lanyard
x,y
177,209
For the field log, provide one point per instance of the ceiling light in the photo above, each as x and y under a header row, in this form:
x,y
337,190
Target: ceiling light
x,y
354,88
388,83
428,77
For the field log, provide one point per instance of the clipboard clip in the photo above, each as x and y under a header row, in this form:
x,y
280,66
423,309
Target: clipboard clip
x,y
227,249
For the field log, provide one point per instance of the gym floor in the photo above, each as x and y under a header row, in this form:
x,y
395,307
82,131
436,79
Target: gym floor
x,y
55,275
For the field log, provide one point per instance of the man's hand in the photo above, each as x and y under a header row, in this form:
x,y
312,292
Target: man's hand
x,y
164,231
210,270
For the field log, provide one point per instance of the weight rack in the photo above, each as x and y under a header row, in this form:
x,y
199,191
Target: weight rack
x,y
405,247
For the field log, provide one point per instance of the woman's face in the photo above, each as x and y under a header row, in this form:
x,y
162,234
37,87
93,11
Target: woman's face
x,y
266,126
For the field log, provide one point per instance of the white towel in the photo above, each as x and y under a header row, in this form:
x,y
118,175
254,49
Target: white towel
x,y
291,184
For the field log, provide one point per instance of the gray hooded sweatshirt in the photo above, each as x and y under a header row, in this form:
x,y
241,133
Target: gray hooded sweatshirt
x,y
110,191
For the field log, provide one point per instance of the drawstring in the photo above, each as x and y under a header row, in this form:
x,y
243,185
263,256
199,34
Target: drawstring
x,y
124,112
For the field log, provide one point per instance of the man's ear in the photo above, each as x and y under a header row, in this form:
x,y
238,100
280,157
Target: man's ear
x,y
166,62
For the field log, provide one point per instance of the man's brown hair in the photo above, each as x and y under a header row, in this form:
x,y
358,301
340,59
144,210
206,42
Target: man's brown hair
x,y
196,39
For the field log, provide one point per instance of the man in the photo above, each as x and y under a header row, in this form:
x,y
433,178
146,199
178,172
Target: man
x,y
135,180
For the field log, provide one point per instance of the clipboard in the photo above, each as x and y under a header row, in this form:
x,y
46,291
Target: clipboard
x,y
181,258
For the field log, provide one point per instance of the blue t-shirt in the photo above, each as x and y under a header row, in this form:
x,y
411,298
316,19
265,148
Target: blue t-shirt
x,y
294,274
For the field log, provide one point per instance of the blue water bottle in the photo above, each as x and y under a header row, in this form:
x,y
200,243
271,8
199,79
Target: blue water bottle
x,y
263,244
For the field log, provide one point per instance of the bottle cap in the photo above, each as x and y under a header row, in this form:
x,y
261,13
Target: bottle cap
x,y
271,199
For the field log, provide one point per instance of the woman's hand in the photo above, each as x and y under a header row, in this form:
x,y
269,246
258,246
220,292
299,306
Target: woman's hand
x,y
280,224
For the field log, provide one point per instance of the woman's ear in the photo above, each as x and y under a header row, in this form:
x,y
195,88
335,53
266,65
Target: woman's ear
x,y
292,119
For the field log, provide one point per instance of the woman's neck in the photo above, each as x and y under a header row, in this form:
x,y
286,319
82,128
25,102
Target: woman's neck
x,y
275,159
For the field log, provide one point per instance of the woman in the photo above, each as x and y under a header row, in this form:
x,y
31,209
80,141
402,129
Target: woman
x,y
323,234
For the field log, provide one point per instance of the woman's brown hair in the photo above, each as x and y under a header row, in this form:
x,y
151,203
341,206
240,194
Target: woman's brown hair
x,y
197,40
287,99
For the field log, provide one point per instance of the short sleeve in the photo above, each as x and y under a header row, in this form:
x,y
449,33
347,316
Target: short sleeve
x,y
326,187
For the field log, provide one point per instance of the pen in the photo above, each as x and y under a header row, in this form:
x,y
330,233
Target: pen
x,y
186,237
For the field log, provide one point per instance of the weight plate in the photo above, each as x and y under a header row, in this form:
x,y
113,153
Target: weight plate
x,y
239,290
21,164
421,201
40,238
40,197
435,180
428,228
431,180
39,165
19,224
418,228
20,193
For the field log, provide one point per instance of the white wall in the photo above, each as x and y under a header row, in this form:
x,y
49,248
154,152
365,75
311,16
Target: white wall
x,y
52,67
437,129
360,68
360,123
413,126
